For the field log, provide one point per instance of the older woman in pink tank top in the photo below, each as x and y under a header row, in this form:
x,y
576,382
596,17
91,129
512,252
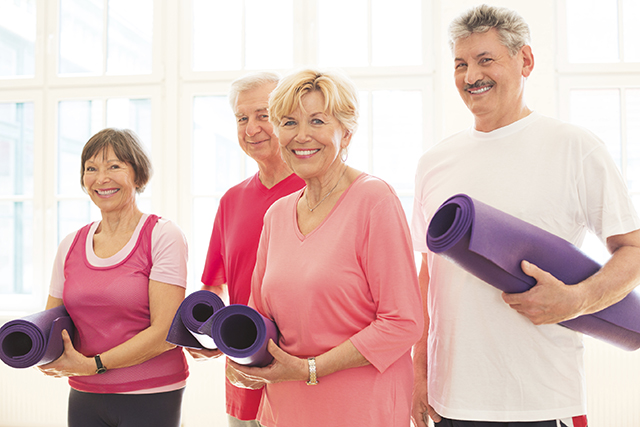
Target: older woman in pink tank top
x,y
121,280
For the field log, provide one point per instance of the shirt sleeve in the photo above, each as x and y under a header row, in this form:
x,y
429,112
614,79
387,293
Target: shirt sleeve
x,y
255,299
606,202
214,270
56,287
389,265
169,253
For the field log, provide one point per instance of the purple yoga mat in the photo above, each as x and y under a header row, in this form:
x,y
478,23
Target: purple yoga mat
x,y
35,339
188,328
243,334
490,244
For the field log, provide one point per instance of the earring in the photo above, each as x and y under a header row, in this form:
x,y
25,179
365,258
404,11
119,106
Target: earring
x,y
344,155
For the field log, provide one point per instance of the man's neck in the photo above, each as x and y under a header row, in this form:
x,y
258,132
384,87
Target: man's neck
x,y
489,125
272,174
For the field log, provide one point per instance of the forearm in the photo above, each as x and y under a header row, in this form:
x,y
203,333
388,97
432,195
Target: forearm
x,y
619,276
344,356
144,346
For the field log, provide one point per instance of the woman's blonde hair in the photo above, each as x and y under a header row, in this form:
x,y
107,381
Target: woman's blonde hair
x,y
340,96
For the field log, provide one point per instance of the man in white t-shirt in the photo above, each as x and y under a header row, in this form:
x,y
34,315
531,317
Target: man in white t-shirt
x,y
501,359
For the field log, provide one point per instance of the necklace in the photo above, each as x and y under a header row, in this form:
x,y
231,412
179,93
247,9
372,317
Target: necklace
x,y
311,209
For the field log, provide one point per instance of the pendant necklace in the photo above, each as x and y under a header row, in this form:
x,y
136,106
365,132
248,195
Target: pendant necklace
x,y
311,209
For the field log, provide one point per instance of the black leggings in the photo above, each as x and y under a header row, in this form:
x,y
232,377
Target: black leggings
x,y
455,423
125,410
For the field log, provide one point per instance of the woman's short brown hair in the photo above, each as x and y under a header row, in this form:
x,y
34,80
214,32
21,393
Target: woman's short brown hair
x,y
127,147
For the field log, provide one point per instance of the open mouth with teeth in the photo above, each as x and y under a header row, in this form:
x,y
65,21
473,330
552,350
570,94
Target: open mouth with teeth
x,y
480,90
107,192
305,152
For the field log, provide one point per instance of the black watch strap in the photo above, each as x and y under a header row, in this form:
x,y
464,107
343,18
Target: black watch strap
x,y
101,369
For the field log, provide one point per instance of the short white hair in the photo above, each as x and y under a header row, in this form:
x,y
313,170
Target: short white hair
x,y
249,82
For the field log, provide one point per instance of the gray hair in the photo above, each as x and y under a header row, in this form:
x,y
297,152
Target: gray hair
x,y
249,82
512,29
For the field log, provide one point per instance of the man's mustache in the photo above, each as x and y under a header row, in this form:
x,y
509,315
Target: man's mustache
x,y
479,83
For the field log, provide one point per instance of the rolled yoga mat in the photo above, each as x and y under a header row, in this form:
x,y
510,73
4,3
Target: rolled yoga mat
x,y
188,328
490,244
35,339
243,334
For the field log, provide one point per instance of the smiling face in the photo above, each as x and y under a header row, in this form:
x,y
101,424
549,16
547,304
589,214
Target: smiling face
x,y
490,80
255,132
110,182
311,139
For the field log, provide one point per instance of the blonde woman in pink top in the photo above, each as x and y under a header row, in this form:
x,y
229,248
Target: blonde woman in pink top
x,y
335,271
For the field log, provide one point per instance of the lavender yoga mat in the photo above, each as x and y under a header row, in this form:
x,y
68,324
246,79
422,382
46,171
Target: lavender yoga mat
x,y
189,328
243,334
490,244
35,339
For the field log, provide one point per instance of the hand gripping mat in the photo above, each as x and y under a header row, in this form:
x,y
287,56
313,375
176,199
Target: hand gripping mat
x,y
490,244
35,339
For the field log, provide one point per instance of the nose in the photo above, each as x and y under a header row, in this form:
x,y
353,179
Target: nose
x,y
102,176
253,127
473,74
303,133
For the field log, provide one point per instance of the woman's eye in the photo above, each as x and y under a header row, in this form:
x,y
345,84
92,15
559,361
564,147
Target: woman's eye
x,y
288,123
317,122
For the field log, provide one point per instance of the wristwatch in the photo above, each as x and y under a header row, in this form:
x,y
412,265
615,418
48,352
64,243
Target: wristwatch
x,y
101,369
313,377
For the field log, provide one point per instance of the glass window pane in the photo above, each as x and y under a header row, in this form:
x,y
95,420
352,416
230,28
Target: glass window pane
x,y
599,111
343,33
217,159
359,148
130,34
396,32
16,247
584,43
77,121
268,34
204,213
81,27
17,37
134,114
16,149
631,17
75,214
633,140
217,35
397,136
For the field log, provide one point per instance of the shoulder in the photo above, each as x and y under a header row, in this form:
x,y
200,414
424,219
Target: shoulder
x,y
283,203
369,192
167,230
451,144
562,130
239,189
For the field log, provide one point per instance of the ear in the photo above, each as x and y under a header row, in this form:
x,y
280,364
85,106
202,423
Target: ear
x,y
527,60
346,138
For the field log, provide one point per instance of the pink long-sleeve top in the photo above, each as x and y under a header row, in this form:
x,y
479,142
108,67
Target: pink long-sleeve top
x,y
352,278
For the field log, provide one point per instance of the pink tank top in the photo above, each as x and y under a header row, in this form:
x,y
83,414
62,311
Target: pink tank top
x,y
109,305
